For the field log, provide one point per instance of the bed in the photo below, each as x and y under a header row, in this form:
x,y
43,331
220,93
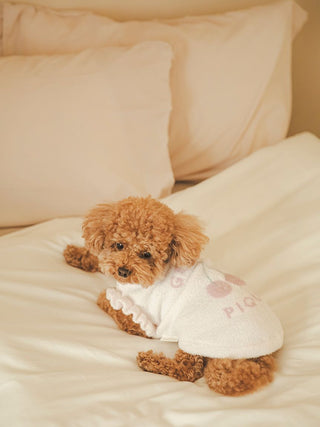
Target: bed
x,y
64,362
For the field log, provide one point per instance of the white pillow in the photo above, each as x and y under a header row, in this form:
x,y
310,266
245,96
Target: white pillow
x,y
230,81
83,128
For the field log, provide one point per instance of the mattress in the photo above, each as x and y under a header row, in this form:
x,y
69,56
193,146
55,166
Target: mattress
x,y
65,363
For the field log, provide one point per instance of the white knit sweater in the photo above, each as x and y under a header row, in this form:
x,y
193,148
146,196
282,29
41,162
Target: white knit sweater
x,y
207,312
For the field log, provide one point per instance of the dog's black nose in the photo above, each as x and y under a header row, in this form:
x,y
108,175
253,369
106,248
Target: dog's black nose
x,y
124,272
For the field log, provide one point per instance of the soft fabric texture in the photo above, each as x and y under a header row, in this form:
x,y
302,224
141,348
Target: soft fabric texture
x,y
64,361
83,128
230,80
209,313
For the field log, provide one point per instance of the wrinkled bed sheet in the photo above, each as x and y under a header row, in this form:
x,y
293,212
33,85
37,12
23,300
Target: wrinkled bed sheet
x,y
65,363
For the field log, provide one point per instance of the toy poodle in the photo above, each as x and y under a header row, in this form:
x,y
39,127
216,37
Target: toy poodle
x,y
163,290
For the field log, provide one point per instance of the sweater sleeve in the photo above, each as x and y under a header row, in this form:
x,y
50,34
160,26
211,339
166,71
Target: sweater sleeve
x,y
128,307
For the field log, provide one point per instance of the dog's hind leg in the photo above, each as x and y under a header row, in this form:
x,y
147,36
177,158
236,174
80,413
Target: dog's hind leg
x,y
239,377
183,367
81,258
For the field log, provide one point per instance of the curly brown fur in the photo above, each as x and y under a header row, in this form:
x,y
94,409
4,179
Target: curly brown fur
x,y
184,366
225,376
239,377
124,322
119,234
81,258
136,240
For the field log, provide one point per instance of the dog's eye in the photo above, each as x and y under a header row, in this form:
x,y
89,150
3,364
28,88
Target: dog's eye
x,y
145,255
119,246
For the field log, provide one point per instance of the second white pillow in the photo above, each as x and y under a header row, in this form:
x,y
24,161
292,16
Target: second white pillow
x,y
83,128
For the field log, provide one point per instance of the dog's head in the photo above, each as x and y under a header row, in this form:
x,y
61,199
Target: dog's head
x,y
137,238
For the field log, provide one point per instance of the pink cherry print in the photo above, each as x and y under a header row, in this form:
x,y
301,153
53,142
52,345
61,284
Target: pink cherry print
x,y
234,280
177,282
219,289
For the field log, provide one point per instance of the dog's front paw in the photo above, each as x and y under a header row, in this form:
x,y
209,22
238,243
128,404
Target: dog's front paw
x,y
81,258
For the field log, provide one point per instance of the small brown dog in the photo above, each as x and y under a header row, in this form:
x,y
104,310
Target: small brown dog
x,y
138,241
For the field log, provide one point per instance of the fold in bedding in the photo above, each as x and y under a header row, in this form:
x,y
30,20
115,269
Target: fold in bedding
x,y
64,362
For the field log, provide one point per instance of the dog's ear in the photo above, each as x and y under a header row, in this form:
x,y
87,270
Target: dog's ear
x,y
95,227
187,242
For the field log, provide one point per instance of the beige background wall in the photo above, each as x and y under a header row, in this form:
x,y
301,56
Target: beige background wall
x,y
306,51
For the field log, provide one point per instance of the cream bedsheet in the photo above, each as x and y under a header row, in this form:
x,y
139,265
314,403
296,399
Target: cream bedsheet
x,y
65,363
